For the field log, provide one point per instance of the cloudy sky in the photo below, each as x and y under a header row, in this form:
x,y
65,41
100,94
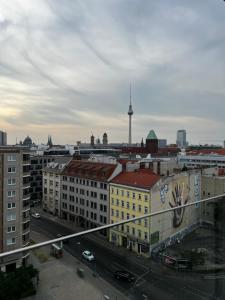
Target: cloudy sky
x,y
66,67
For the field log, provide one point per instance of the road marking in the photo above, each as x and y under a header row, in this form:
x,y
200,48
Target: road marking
x,y
197,292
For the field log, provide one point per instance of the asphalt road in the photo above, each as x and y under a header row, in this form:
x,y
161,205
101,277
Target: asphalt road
x,y
154,282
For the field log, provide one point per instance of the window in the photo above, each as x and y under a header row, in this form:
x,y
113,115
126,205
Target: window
x,y
64,187
122,192
71,189
128,205
11,241
117,213
56,184
105,197
11,181
11,229
11,205
64,196
133,206
122,203
122,215
117,202
133,231
139,208
51,182
128,229
146,222
11,193
117,191
112,190
146,197
146,210
112,212
65,178
112,201
146,235
128,216
45,181
12,170
11,217
12,157
139,196
72,198
139,234
133,195
71,179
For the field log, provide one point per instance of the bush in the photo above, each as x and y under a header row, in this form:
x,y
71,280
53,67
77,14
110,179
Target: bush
x,y
18,284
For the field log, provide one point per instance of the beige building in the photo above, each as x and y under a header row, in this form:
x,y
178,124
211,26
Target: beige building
x,y
52,185
14,204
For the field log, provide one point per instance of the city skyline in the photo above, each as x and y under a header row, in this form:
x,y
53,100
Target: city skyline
x,y
66,69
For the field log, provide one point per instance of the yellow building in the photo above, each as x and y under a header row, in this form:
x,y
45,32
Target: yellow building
x,y
130,197
134,194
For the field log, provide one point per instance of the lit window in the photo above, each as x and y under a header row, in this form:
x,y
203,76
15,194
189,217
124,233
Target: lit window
x,y
11,217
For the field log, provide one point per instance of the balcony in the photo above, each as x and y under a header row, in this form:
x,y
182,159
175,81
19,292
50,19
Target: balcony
x,y
182,257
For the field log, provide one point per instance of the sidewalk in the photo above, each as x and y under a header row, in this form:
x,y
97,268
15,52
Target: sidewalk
x,y
59,279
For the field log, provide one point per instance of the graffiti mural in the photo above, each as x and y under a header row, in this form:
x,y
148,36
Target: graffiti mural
x,y
180,196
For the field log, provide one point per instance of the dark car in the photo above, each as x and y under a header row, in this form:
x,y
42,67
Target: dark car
x,y
124,275
65,241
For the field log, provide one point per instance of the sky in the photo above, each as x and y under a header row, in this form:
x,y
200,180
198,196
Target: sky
x,y
66,67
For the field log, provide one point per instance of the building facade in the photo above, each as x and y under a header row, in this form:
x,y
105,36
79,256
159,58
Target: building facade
x,y
14,204
129,198
84,192
181,138
51,201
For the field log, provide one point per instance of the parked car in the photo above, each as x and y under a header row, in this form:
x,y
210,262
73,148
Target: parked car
x,y
124,275
65,241
36,215
88,255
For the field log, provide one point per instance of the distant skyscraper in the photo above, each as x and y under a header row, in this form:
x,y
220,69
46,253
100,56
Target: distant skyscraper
x,y
130,113
181,138
3,138
92,140
105,139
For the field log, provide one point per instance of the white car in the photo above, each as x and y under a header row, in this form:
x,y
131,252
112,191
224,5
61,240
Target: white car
x,y
36,215
88,255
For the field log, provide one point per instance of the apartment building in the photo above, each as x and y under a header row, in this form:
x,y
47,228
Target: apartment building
x,y
129,198
140,192
85,192
38,162
14,204
52,184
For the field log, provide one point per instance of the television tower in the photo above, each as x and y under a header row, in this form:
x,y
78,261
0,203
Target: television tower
x,y
130,113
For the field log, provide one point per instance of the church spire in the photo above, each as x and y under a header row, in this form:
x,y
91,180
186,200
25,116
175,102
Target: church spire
x,y
130,113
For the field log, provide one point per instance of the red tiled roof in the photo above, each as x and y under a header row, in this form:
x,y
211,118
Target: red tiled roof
x,y
142,178
207,151
90,170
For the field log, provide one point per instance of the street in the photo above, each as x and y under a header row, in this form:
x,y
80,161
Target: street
x,y
153,281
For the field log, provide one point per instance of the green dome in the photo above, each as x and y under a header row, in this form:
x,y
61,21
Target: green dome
x,y
151,135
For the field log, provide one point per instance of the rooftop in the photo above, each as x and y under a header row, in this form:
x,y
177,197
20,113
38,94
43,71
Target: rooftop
x,y
142,178
90,170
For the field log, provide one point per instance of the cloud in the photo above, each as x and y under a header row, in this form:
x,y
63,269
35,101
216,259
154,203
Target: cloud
x,y
67,65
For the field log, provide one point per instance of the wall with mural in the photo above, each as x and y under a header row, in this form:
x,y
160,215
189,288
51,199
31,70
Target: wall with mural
x,y
172,192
